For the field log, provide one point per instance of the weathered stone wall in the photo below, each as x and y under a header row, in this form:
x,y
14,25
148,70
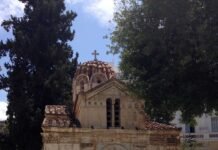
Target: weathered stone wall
x,y
92,107
111,139
134,131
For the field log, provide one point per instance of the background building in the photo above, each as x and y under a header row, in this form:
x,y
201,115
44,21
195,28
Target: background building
x,y
204,133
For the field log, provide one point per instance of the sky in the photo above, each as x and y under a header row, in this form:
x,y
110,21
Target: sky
x,y
93,22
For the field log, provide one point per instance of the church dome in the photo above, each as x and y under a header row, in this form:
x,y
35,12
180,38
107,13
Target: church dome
x,y
90,68
91,74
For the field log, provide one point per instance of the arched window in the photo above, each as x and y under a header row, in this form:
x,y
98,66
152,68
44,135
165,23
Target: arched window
x,y
109,112
117,113
82,86
97,79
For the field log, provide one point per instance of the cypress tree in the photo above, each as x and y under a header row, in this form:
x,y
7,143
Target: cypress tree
x,y
40,69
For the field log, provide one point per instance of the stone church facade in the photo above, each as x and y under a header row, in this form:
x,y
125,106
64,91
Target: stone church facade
x,y
110,117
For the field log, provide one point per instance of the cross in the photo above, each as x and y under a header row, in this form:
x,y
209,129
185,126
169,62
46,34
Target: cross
x,y
95,53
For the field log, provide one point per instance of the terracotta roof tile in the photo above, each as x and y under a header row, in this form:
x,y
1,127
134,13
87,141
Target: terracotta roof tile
x,y
150,125
55,110
56,122
91,67
56,116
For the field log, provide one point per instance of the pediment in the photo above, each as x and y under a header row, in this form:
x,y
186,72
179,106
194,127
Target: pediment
x,y
113,86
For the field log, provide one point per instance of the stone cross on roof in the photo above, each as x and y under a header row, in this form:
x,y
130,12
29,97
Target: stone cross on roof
x,y
95,53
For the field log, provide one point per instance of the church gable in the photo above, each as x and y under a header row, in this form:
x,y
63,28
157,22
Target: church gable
x,y
111,88
111,105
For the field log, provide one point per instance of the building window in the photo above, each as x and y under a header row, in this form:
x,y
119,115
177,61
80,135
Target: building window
x,y
98,81
214,124
82,86
109,112
117,113
189,128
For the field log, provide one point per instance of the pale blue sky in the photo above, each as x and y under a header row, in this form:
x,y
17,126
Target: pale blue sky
x,y
91,24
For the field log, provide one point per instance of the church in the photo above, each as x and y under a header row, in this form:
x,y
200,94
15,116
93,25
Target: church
x,y
110,117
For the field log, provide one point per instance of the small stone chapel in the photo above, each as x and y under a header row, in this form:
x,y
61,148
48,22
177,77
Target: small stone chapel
x,y
110,117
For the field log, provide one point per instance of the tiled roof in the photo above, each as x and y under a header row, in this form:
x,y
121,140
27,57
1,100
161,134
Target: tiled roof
x,y
55,110
150,125
91,67
56,122
56,116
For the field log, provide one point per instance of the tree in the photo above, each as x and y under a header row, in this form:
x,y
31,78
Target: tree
x,y
169,55
41,67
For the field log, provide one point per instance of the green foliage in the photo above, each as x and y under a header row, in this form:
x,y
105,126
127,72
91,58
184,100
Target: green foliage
x,y
190,144
40,70
5,142
169,54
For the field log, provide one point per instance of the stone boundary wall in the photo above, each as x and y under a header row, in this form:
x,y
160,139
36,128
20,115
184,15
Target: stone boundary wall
x,y
108,139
